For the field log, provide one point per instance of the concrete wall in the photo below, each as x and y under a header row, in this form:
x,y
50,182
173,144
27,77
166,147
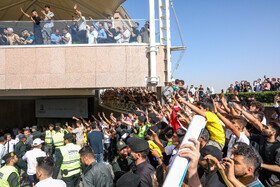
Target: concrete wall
x,y
67,67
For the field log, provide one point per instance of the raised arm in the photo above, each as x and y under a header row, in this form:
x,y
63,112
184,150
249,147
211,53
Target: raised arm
x,y
191,106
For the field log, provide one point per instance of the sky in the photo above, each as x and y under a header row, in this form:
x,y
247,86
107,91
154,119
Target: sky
x,y
226,41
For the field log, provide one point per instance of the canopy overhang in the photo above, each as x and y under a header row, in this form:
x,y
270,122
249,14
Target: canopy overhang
x,y
62,9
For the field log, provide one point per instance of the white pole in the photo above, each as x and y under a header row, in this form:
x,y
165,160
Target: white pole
x,y
160,19
153,67
168,40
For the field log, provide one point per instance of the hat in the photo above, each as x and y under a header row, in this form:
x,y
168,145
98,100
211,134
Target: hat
x,y
154,120
151,115
142,119
153,128
120,145
7,156
58,124
128,180
162,125
51,125
37,142
57,128
34,127
211,150
21,136
68,136
137,144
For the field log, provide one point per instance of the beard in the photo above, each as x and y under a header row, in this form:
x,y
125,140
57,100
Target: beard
x,y
123,155
240,176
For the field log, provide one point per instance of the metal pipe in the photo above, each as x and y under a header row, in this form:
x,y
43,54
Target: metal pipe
x,y
160,17
168,40
153,68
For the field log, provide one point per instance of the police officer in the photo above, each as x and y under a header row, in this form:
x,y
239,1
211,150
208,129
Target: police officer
x,y
140,131
58,140
138,150
9,176
121,163
20,150
49,139
68,161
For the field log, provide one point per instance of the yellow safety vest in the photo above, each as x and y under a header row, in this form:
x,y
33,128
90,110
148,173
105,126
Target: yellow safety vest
x,y
5,172
58,139
71,160
49,136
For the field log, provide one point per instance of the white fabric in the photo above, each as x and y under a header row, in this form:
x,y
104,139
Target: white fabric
x,y
242,138
106,138
127,35
192,90
11,144
79,134
50,182
31,158
68,35
91,35
82,23
2,153
264,121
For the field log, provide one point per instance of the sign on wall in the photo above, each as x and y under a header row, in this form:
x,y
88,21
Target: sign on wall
x,y
61,108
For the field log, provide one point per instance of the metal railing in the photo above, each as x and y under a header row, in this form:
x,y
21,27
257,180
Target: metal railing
x,y
70,32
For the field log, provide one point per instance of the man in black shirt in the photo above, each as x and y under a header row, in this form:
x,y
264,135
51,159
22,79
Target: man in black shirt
x,y
138,149
111,33
134,33
269,149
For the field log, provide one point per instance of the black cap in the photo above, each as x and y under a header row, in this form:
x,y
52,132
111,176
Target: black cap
x,y
162,125
142,119
120,145
69,136
153,128
128,180
211,150
137,144
34,127
154,120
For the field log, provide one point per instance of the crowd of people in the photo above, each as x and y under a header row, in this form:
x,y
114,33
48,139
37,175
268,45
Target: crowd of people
x,y
77,33
268,84
238,147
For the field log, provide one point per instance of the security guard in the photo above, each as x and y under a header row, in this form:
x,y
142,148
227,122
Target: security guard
x,y
49,140
20,150
58,140
9,174
121,163
138,150
68,161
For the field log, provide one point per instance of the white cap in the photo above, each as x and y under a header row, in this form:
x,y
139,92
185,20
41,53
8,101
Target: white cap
x,y
37,142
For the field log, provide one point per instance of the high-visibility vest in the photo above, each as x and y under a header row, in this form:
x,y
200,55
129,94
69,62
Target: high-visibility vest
x,y
71,160
64,131
5,172
49,136
142,130
85,137
58,139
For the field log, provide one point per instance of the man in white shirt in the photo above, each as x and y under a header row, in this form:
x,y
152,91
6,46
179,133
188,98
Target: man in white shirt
x,y
10,145
126,35
92,35
192,89
31,158
79,131
2,148
44,171
66,38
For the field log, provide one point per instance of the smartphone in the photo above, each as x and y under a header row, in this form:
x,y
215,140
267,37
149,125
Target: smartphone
x,y
230,104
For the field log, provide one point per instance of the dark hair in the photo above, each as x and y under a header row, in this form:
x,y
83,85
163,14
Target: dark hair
x,y
206,103
65,29
93,125
46,164
258,105
182,81
101,24
168,132
87,151
137,23
240,120
177,81
145,153
180,133
2,139
33,11
47,6
276,127
205,135
250,157
260,115
6,135
79,122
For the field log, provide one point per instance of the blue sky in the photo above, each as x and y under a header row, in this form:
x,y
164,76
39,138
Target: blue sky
x,y
226,40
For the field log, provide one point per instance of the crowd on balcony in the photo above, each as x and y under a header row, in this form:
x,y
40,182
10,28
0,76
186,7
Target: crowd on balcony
x,y
268,84
239,146
77,33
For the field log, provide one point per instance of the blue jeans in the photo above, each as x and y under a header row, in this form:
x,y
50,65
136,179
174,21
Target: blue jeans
x,y
99,157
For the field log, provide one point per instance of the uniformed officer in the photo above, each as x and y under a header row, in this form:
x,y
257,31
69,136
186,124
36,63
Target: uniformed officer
x,y
20,150
35,133
58,140
121,163
138,150
68,161
49,140
9,176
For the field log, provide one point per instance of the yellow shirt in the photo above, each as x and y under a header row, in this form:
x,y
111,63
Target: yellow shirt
x,y
215,128
154,146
